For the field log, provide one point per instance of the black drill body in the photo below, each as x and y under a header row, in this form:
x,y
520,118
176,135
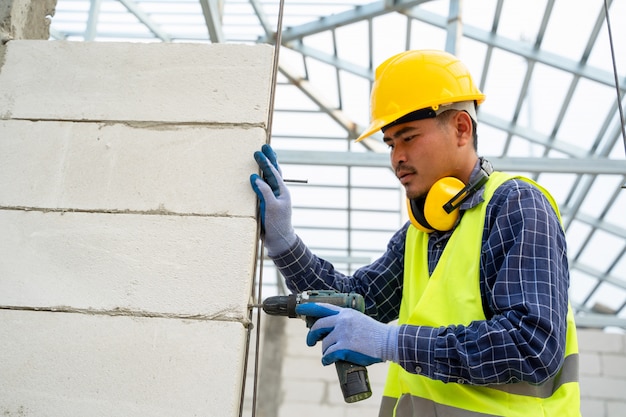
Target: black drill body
x,y
353,378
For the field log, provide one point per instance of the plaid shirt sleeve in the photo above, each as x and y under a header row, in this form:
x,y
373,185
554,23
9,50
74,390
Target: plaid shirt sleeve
x,y
380,283
524,280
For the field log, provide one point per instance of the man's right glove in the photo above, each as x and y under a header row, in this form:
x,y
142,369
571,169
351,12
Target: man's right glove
x,y
275,203
350,335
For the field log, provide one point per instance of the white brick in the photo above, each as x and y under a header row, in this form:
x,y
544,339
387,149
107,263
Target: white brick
x,y
595,340
93,166
616,408
592,408
335,395
307,369
296,332
614,365
311,392
590,363
55,364
603,387
378,373
116,81
181,265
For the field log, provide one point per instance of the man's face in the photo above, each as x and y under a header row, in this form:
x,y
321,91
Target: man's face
x,y
422,152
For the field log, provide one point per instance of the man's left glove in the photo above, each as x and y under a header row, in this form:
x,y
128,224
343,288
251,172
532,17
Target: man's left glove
x,y
350,335
275,203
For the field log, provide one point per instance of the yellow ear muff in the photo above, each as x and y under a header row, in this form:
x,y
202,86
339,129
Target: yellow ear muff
x,y
439,210
430,214
438,196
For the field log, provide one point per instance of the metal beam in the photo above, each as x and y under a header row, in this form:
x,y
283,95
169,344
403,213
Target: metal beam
x,y
213,17
454,29
590,166
132,7
610,228
522,49
358,14
599,321
91,29
489,38
263,20
337,115
330,59
532,136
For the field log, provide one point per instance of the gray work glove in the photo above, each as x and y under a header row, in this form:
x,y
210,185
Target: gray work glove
x,y
350,335
275,203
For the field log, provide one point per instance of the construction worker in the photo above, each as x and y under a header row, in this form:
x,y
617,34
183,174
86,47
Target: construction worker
x,y
477,279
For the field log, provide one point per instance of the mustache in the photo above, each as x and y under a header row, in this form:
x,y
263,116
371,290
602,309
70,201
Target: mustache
x,y
403,169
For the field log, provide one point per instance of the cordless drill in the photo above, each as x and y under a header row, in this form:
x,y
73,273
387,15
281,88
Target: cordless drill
x,y
353,379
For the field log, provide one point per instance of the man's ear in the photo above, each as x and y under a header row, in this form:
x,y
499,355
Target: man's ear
x,y
464,127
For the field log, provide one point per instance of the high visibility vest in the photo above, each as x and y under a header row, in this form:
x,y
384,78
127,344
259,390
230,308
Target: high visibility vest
x,y
451,296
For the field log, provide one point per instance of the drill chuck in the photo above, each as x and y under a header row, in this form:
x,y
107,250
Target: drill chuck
x,y
281,305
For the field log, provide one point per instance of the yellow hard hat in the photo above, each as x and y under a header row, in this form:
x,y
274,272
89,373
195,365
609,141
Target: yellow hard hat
x,y
416,80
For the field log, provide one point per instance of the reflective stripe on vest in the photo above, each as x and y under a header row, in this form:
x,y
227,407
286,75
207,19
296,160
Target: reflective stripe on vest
x,y
452,296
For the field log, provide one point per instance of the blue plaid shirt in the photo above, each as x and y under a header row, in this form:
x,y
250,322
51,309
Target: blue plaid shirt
x,y
524,283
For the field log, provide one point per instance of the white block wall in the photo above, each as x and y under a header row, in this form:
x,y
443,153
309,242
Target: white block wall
x,y
602,373
127,225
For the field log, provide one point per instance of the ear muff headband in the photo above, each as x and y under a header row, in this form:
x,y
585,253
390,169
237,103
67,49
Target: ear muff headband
x,y
440,209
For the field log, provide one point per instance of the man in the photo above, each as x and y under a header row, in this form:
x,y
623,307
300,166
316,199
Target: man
x,y
477,279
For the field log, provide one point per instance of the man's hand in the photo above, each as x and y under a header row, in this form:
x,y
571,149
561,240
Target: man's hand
x,y
350,335
275,203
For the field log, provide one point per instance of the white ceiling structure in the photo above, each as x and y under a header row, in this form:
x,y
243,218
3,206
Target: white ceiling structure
x,y
550,70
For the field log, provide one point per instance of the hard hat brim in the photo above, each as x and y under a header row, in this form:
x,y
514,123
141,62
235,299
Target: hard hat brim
x,y
466,105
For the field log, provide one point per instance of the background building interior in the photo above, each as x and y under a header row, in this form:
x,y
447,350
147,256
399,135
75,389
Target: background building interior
x,y
552,110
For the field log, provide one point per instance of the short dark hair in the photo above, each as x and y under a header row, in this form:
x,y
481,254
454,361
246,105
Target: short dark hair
x,y
444,117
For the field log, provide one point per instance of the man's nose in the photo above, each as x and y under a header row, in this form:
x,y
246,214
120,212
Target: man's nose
x,y
398,155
